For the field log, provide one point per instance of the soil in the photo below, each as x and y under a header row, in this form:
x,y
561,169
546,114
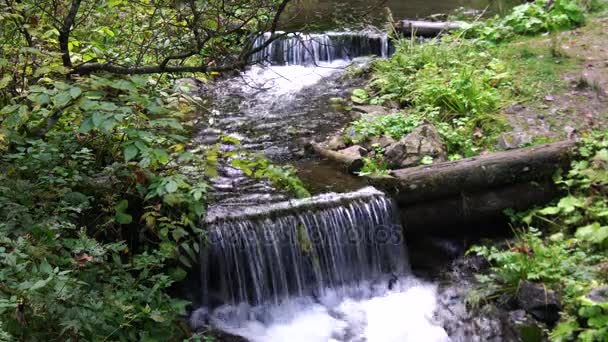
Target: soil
x,y
582,104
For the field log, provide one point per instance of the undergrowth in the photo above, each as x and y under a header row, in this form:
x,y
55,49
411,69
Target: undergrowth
x,y
563,246
462,81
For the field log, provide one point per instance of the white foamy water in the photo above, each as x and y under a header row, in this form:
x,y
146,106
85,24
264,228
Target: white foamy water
x,y
364,313
288,79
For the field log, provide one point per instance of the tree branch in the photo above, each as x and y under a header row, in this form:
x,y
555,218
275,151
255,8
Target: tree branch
x,y
64,33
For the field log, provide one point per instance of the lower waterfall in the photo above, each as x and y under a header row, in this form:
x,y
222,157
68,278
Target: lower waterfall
x,y
330,268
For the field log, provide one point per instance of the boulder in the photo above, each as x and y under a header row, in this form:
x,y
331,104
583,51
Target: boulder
x,y
542,303
511,140
409,151
353,152
382,141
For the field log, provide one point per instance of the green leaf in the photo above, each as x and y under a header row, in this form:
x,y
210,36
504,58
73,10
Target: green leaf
x,y
121,216
4,81
130,152
62,99
549,211
40,284
45,267
565,331
86,126
75,92
171,187
359,96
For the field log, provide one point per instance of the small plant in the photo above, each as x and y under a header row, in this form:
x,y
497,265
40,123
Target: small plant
x,y
375,164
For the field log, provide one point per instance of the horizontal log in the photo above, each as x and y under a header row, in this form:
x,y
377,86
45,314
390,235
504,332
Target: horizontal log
x,y
455,215
497,170
425,29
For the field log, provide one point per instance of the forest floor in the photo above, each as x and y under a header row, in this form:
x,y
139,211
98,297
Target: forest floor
x,y
577,100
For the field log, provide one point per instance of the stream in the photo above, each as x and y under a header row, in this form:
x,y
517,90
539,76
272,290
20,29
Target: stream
x,y
331,268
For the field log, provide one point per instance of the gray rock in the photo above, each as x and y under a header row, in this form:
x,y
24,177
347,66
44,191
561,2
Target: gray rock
x,y
509,141
353,152
382,141
599,295
409,151
373,110
542,303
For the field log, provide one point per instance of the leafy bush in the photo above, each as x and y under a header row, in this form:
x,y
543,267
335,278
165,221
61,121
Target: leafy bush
x,y
572,260
455,84
95,217
394,125
528,19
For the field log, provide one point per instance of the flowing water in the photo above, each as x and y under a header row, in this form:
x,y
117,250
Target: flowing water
x,y
330,268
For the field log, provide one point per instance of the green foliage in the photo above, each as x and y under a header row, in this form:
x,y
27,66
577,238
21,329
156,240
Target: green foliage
x,y
584,211
529,19
374,165
573,259
283,177
455,84
100,199
394,125
359,96
108,167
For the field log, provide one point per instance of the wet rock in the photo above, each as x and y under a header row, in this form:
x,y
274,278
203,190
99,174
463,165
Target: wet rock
x,y
353,152
409,151
382,141
509,141
599,295
542,303
373,110
526,327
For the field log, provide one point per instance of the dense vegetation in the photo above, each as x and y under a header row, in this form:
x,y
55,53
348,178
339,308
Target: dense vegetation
x,y
460,82
570,254
100,194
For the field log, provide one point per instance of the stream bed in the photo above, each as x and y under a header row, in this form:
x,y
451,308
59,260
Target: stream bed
x,y
321,272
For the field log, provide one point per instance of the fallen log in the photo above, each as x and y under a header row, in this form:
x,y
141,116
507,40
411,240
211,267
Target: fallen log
x,y
427,29
458,214
477,174
351,162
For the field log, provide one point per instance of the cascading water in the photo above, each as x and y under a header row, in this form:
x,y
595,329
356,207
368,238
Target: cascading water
x,y
311,49
275,104
322,269
330,268
299,253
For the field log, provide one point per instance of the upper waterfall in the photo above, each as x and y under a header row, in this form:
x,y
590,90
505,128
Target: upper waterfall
x,y
312,49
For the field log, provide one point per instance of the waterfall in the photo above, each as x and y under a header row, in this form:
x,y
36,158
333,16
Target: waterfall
x,y
303,247
329,268
312,49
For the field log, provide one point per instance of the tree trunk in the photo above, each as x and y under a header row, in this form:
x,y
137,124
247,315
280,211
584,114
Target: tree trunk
x,y
475,190
426,29
497,170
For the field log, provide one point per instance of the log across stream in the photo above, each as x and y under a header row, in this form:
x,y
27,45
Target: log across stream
x,y
476,189
472,190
